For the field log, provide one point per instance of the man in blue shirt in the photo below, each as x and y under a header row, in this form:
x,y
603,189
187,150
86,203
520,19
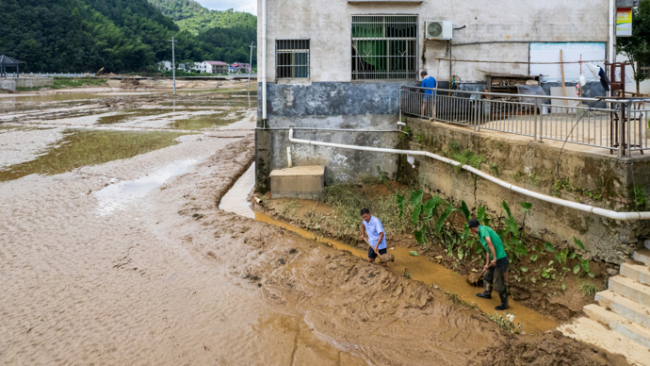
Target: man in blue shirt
x,y
429,103
376,236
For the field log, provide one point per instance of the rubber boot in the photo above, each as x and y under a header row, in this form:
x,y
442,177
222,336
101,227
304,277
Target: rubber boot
x,y
504,301
487,291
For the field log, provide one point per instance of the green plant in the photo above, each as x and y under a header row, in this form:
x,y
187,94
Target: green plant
x,y
383,177
560,185
588,289
406,133
505,323
419,137
494,168
640,197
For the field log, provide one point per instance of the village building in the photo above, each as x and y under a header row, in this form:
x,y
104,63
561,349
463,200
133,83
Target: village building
x,y
340,64
215,67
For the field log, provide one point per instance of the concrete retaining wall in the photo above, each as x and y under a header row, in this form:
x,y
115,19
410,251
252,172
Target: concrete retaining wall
x,y
13,84
532,165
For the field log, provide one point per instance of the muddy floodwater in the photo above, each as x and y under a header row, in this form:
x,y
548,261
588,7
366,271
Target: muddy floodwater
x,y
131,242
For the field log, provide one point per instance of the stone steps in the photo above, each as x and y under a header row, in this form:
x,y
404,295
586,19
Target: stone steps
x,y
589,331
636,272
631,289
619,324
625,307
642,255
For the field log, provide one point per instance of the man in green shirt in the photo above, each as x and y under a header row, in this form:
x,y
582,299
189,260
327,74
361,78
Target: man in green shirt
x,y
496,263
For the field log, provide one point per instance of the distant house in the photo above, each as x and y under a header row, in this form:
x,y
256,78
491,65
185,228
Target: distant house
x,y
216,67
239,67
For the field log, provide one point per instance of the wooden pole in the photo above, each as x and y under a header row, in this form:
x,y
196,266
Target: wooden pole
x,y
566,102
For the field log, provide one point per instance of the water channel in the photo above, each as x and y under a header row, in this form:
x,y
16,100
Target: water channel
x,y
420,268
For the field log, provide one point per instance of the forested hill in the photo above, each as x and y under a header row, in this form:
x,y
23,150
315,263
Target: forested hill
x,y
120,35
191,16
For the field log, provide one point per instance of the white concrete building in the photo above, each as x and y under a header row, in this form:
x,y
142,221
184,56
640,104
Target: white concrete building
x,y
340,63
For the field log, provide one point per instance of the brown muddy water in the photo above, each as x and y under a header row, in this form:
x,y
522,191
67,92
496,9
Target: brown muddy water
x,y
416,268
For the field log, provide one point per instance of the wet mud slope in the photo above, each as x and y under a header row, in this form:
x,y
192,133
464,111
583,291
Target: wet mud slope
x,y
355,306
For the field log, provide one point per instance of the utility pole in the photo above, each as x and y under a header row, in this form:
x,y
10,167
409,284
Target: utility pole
x,y
174,64
250,69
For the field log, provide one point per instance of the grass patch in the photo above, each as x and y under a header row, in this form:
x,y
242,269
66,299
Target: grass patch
x,y
640,197
505,323
561,185
82,148
63,83
588,289
204,121
347,200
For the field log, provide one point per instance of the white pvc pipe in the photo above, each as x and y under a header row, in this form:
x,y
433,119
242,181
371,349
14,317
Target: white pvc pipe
x,y
558,201
264,60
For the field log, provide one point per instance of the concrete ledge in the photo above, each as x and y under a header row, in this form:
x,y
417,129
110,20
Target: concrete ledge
x,y
627,308
629,288
304,182
647,244
636,272
619,324
642,255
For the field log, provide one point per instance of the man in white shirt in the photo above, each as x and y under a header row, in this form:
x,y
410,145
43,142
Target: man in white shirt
x,y
374,230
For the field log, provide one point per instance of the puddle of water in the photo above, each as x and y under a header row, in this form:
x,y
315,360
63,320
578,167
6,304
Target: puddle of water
x,y
119,195
232,201
82,148
423,270
129,114
204,121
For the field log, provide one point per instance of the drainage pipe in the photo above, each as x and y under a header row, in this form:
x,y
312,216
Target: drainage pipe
x,y
324,129
578,206
264,61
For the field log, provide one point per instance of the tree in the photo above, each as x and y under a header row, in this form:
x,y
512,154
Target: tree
x,y
636,48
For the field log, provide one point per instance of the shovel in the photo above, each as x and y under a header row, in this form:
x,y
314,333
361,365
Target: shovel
x,y
384,258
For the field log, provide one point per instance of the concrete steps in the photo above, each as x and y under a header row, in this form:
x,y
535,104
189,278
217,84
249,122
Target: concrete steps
x,y
625,307
624,310
619,324
642,255
636,272
631,289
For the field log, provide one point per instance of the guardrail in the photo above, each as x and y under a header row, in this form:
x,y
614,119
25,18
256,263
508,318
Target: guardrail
x,y
615,124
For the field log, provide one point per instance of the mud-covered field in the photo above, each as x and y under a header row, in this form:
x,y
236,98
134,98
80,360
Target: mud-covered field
x,y
114,251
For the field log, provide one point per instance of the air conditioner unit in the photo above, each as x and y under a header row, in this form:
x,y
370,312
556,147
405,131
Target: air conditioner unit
x,y
439,30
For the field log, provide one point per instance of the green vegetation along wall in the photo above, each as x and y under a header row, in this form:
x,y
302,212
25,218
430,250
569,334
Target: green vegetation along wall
x,y
120,35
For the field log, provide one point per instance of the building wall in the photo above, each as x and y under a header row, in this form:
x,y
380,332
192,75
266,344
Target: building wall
x,y
492,30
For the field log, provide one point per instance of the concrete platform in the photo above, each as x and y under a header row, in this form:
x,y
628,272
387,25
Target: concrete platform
x,y
631,289
636,272
625,307
590,331
305,182
619,324
647,244
642,255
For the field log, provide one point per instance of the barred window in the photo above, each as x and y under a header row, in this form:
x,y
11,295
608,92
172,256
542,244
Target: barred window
x,y
292,58
384,47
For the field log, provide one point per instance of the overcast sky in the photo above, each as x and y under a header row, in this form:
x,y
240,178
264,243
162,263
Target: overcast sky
x,y
239,5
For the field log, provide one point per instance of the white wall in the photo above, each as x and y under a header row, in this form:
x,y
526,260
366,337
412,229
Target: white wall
x,y
328,24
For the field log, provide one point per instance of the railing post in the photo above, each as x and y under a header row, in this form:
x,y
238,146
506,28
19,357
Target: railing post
x,y
621,143
535,121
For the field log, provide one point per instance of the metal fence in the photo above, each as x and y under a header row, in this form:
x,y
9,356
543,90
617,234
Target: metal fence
x,y
602,123
58,75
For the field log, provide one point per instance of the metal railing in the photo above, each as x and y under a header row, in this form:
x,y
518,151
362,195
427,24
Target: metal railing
x,y
602,123
44,74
